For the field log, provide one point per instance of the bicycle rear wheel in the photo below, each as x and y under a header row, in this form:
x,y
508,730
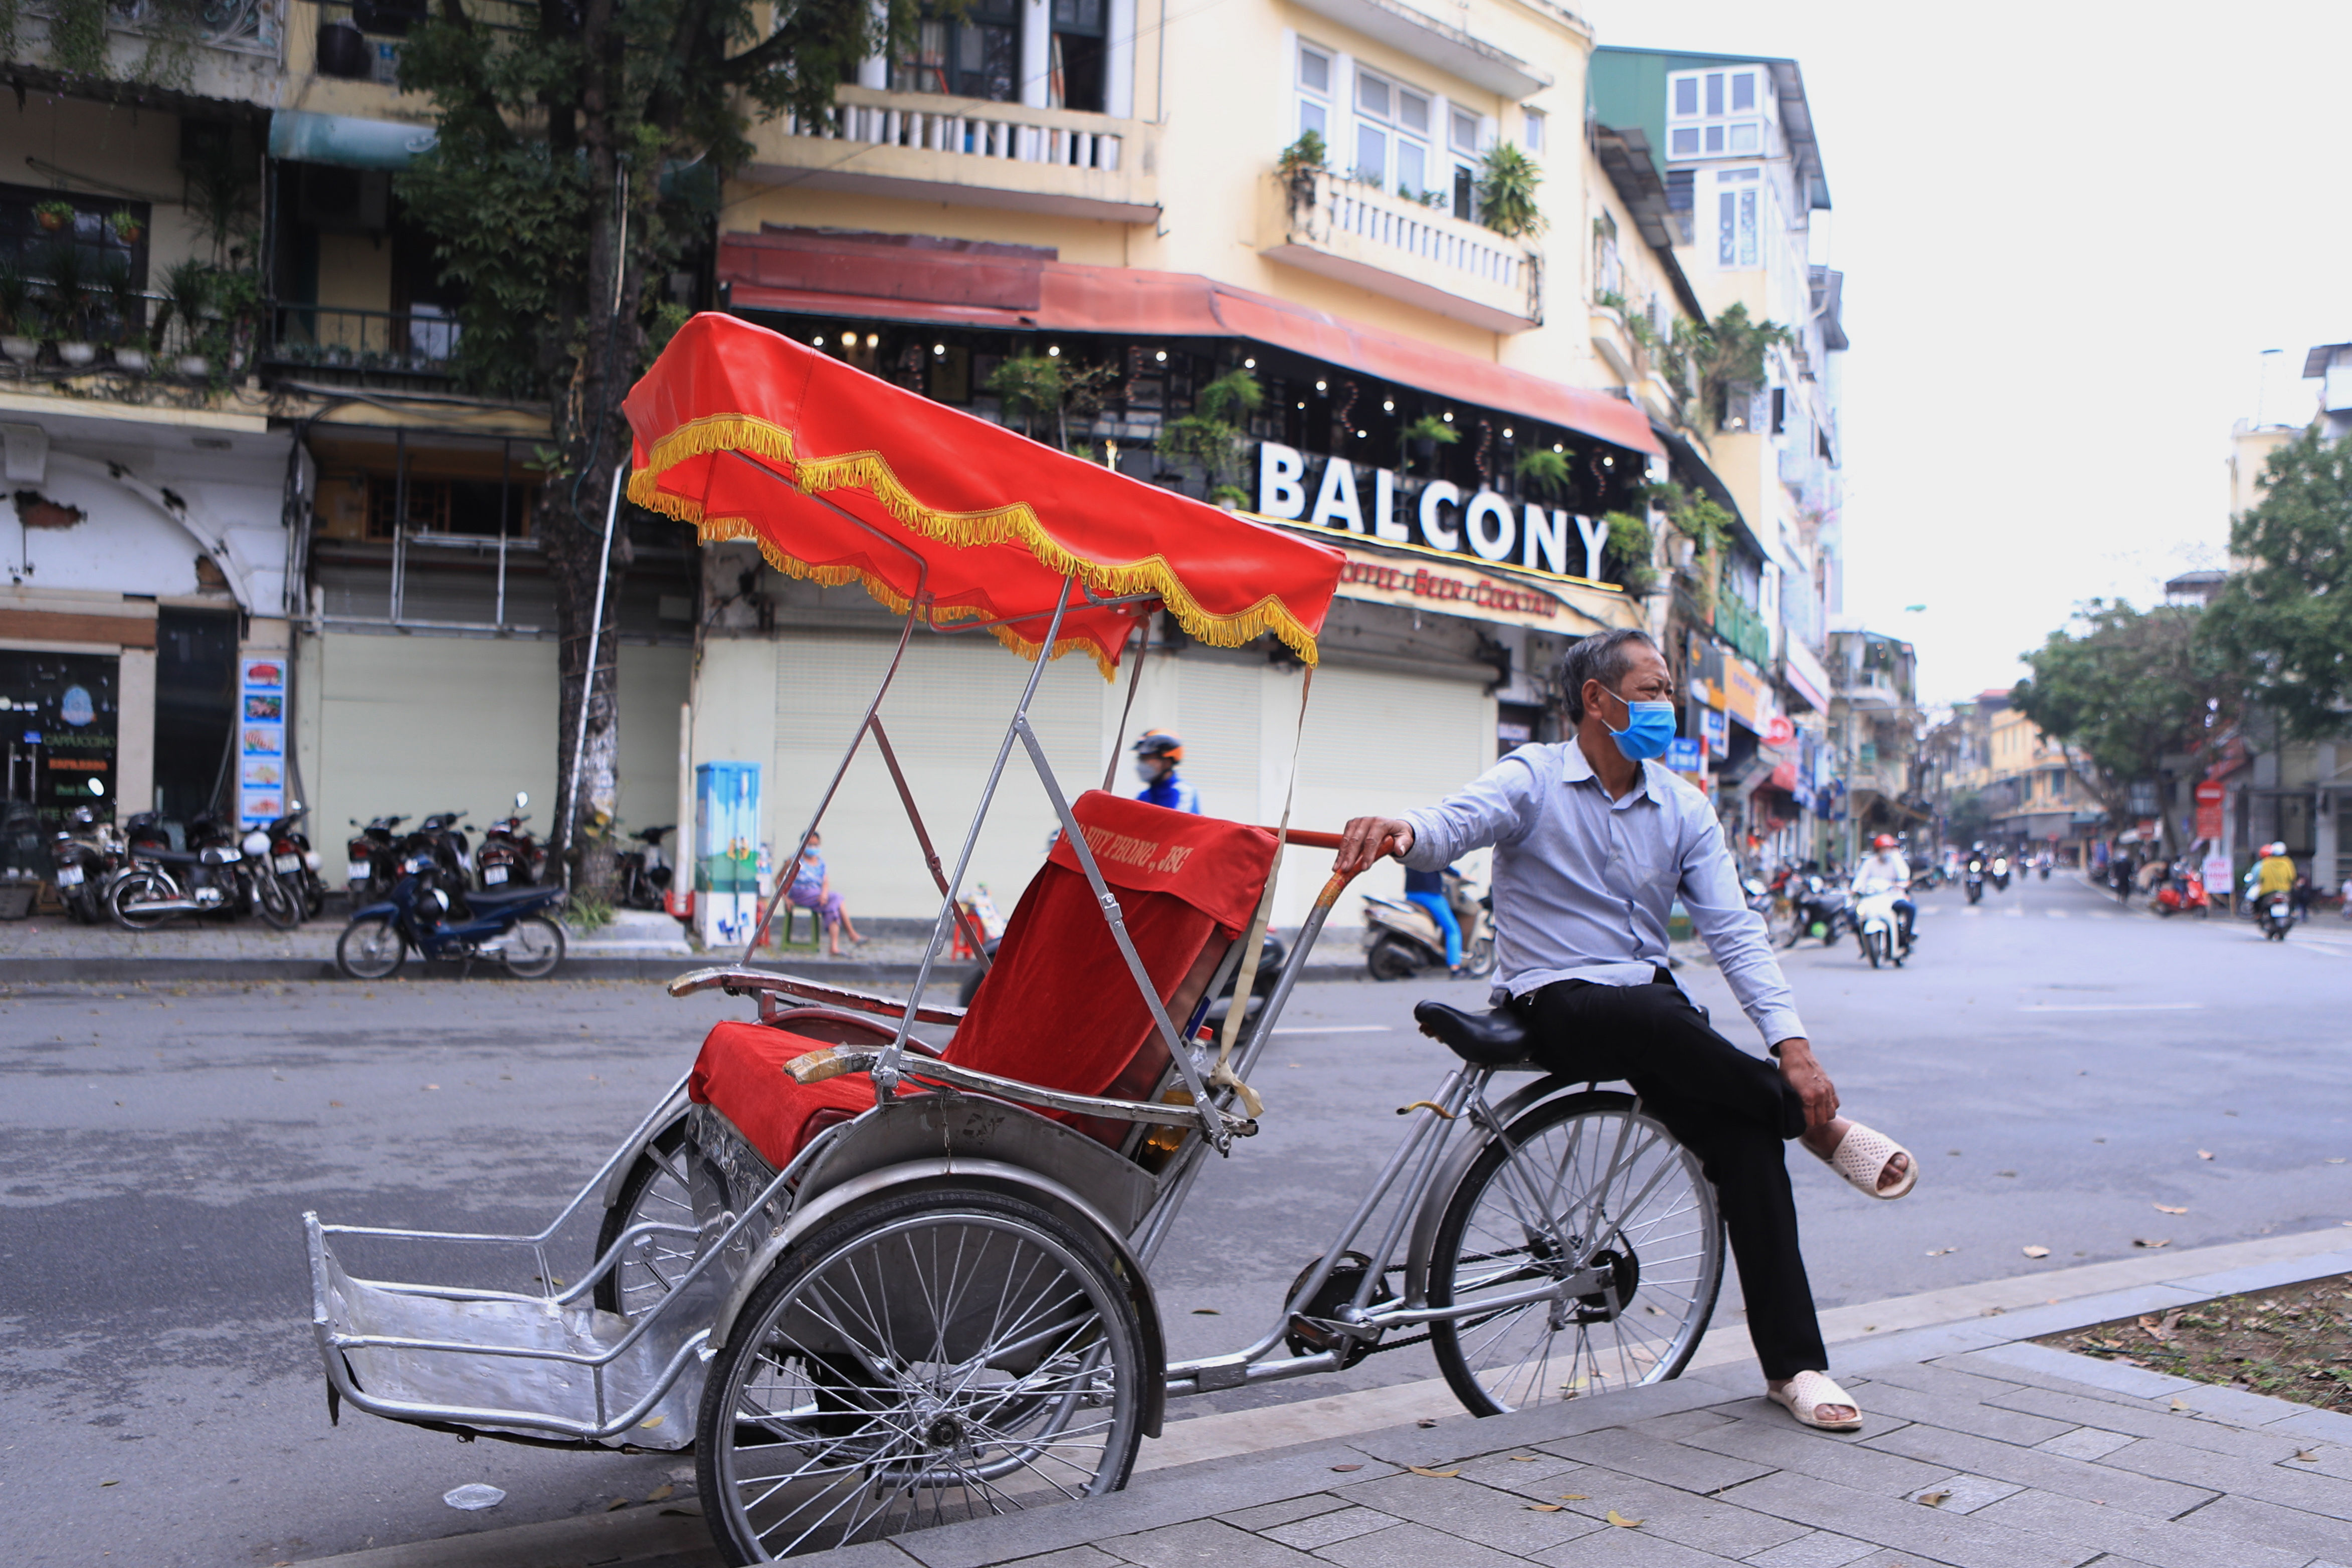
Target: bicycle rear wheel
x,y
1582,1182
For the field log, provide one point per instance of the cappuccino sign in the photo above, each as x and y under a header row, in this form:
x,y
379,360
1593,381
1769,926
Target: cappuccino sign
x,y
1394,509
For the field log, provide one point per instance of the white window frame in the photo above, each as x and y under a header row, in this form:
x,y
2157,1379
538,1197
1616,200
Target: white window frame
x,y
1392,129
1713,127
1739,200
1306,100
1532,124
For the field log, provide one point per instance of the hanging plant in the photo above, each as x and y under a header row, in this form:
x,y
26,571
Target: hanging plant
x,y
126,225
1544,471
53,216
1299,164
77,37
1507,181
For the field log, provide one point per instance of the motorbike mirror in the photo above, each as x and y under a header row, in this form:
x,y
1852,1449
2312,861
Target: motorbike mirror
x,y
523,798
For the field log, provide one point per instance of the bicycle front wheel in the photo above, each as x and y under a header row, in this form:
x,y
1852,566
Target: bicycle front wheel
x,y
1584,1182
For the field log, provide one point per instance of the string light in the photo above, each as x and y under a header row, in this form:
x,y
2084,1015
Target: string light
x,y
1322,387
817,341
1249,364
1449,419
1053,352
1507,432
1162,356
1389,406
940,350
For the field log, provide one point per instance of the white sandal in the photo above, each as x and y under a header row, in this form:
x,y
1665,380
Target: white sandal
x,y
1807,1393
1861,1158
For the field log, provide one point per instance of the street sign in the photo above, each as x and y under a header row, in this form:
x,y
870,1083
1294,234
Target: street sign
x,y
1780,730
1682,754
2210,795
2217,879
1714,728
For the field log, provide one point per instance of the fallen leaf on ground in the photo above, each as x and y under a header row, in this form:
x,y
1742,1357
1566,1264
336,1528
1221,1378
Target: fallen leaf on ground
x,y
2035,1251
1346,1467
1206,1312
2309,1456
662,1493
335,1104
2004,1172
1934,1499
1940,1251
433,1086
652,1421
1621,1522
618,1503
1523,1458
2204,1153
2180,1405
1574,1496
2167,1208
1433,1475
1543,1508
116,1482
2144,1241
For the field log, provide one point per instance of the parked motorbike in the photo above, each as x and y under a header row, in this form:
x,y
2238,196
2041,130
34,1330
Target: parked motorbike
x,y
2181,894
262,890
1402,939
370,856
1973,879
206,878
641,875
511,855
2276,914
439,841
1822,910
512,928
1883,940
1779,912
281,851
82,857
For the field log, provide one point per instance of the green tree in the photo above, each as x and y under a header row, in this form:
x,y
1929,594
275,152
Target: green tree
x,y
1705,360
2286,619
2126,691
1508,181
1210,435
581,147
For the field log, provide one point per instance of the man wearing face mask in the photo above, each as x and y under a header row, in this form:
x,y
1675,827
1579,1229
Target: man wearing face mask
x,y
1593,842
1156,756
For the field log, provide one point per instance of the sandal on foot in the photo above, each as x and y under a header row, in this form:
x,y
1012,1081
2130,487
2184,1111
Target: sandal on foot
x,y
1806,1393
1861,1158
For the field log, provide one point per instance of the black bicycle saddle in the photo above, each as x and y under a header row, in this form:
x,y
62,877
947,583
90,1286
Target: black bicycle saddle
x,y
1492,1039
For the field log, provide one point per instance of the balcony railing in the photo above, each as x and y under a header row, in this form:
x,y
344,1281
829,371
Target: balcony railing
x,y
1739,625
1060,161
1358,232
339,342
241,26
963,125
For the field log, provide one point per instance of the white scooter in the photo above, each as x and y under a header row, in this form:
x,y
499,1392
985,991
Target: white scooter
x,y
1402,939
1883,940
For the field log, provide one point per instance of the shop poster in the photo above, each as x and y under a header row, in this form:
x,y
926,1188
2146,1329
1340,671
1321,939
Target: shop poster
x,y
261,741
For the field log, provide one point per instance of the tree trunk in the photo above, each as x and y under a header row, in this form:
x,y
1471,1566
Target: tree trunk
x,y
592,437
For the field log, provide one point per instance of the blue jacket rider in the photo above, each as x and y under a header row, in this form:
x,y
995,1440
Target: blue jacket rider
x,y
1156,756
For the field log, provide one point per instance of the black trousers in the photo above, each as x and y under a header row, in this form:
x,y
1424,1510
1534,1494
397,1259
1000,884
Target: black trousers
x,y
1733,1110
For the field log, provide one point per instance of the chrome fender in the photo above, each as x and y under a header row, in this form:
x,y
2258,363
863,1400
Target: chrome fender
x,y
672,1112
1457,1165
808,1217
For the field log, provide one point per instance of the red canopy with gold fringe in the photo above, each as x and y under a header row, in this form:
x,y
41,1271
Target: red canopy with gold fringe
x,y
739,429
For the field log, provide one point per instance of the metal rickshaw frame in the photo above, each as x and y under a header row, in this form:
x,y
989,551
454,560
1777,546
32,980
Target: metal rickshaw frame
x,y
634,1369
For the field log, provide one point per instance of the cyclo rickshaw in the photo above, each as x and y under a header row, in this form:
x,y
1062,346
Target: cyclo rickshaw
x,y
883,1262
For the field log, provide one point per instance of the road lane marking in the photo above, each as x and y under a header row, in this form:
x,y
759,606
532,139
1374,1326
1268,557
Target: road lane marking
x,y
2055,914
1337,1029
2106,1007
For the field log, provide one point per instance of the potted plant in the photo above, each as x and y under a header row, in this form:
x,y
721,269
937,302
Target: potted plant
x,y
53,216
1299,164
1507,180
188,296
16,315
69,280
1426,433
127,309
126,225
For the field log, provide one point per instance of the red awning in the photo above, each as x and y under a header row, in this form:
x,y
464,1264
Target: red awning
x,y
842,477
791,273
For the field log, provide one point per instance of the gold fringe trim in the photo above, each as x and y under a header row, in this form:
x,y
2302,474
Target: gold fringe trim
x,y
1016,522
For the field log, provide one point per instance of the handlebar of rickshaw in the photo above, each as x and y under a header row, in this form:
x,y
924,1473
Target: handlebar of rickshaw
x,y
1305,839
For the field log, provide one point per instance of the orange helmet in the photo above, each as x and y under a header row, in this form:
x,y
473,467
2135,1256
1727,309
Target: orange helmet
x,y
1884,841
1160,744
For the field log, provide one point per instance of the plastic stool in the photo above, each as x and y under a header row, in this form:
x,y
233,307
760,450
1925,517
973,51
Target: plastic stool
x,y
780,935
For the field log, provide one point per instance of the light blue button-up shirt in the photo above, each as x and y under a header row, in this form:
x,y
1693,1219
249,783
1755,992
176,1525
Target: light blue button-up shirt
x,y
1583,883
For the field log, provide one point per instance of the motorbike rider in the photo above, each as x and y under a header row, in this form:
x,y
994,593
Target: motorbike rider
x,y
2273,873
1427,889
1156,757
1885,868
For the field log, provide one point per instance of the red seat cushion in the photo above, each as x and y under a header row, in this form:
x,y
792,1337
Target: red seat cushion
x,y
1058,1008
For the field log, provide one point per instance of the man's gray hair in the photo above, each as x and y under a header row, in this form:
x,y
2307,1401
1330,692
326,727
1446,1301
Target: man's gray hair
x,y
1603,656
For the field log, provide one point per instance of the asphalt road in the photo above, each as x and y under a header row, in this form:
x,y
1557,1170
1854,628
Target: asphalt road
x,y
2060,1068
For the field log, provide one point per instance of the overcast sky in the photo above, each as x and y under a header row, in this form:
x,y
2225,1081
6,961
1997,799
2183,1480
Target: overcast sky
x,y
2068,230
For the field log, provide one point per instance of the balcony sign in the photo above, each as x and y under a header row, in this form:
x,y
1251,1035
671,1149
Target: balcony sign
x,y
1396,509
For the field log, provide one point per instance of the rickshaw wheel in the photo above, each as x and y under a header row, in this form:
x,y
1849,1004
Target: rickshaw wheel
x,y
655,1189
1527,1208
936,1356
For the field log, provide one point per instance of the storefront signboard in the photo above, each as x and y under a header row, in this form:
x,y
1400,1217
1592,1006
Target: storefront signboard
x,y
1714,728
1436,514
1683,754
2211,793
1745,696
1478,594
58,714
262,740
1806,676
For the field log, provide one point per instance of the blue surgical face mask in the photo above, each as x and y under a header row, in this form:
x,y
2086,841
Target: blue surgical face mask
x,y
1648,728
